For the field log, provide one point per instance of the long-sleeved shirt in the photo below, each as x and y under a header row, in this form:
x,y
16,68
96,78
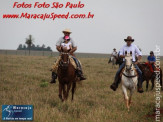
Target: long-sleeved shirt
x,y
135,51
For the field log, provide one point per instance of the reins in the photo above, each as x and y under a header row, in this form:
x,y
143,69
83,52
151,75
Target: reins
x,y
129,76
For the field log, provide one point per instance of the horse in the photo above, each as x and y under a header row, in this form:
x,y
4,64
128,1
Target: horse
x,y
148,75
129,79
66,76
113,60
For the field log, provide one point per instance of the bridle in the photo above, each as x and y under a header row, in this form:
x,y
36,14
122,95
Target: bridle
x,y
62,63
129,69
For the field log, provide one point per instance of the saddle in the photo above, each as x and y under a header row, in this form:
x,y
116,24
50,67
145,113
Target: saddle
x,y
72,61
150,66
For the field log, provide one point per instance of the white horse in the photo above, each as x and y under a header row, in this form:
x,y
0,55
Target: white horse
x,y
129,79
113,60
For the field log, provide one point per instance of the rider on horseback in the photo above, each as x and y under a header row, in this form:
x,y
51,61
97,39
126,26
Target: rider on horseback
x,y
129,47
67,42
151,59
113,54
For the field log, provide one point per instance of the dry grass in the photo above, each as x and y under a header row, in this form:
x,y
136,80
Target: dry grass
x,y
24,80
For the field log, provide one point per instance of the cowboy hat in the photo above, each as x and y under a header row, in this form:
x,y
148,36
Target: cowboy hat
x,y
114,49
67,31
129,38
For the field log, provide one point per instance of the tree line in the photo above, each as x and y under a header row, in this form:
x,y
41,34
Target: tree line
x,y
29,45
33,47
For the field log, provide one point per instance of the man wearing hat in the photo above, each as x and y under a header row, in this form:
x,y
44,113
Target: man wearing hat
x,y
113,54
129,47
59,46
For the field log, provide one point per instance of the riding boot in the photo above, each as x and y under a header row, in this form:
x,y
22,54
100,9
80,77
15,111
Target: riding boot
x,y
114,86
80,74
54,77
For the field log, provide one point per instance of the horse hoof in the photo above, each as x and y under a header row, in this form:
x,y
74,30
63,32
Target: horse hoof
x,y
140,90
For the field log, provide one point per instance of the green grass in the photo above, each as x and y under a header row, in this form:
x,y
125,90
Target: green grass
x,y
24,80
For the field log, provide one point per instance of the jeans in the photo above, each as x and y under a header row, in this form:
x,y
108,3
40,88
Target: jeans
x,y
139,73
77,62
120,69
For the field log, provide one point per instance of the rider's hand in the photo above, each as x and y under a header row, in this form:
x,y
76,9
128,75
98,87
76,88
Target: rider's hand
x,y
122,56
71,52
136,62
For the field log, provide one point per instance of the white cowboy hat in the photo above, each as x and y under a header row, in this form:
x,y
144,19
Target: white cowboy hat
x,y
66,30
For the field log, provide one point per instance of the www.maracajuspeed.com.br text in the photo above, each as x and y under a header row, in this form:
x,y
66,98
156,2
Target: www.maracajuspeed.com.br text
x,y
52,16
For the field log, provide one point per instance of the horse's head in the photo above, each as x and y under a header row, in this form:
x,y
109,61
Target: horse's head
x,y
65,57
128,60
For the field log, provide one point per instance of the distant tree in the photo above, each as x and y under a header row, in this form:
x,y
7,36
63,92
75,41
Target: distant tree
x,y
43,46
29,42
20,47
24,47
31,46
49,48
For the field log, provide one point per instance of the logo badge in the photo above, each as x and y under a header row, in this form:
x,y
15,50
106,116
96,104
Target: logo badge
x,y
17,112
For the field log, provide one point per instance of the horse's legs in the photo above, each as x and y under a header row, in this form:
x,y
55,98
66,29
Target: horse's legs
x,y
147,82
68,89
125,96
131,92
113,63
64,91
73,89
152,81
60,91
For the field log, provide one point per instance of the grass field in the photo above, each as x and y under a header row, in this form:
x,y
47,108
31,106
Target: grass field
x,y
24,80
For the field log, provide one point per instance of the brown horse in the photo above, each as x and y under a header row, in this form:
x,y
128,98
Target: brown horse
x,y
148,75
66,76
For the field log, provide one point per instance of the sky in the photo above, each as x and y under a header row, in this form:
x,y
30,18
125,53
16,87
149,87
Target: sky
x,y
113,21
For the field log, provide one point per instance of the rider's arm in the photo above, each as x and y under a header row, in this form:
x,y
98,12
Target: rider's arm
x,y
58,44
121,52
139,58
74,46
58,48
137,51
73,50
